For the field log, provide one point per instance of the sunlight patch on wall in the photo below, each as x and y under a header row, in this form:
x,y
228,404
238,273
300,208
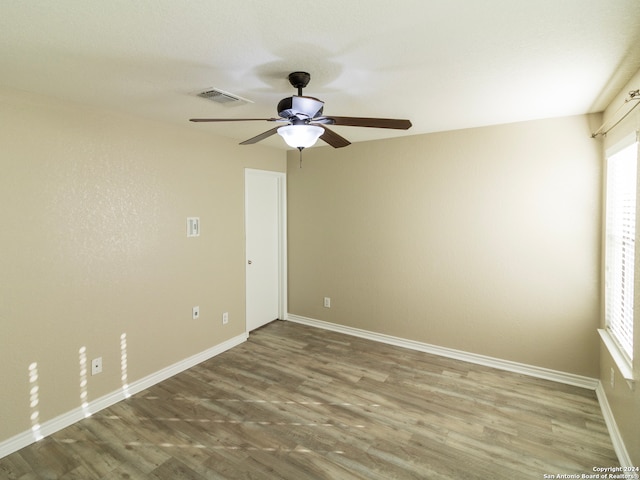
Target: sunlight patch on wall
x,y
34,401
123,365
82,355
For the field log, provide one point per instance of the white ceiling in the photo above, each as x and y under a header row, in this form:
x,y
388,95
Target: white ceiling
x,y
443,64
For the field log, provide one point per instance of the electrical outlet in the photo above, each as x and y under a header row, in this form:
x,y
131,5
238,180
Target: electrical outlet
x,y
327,302
225,318
96,366
195,312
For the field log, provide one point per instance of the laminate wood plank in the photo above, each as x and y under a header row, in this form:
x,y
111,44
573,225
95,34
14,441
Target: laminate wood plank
x,y
90,466
14,467
80,473
29,476
175,470
126,471
48,459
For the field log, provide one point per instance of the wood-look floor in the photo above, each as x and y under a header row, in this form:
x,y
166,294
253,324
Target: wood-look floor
x,y
295,402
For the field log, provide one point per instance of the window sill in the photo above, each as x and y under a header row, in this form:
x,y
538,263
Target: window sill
x,y
626,369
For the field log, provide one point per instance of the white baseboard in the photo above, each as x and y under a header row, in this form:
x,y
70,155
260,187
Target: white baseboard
x,y
533,371
614,432
49,427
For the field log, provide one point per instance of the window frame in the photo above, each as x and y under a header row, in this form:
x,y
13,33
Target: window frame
x,y
621,357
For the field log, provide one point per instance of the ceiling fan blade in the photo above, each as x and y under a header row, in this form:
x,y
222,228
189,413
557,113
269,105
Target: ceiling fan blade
x,y
234,119
262,136
370,122
333,139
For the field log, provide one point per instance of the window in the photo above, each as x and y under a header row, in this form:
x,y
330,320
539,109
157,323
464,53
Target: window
x,y
620,238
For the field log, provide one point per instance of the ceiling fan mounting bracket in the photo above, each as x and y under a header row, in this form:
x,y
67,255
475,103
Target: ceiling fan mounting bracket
x,y
299,80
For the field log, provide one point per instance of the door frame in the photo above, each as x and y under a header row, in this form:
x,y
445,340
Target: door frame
x,y
281,180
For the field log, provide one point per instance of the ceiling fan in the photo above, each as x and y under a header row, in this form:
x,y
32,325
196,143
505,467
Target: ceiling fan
x,y
305,122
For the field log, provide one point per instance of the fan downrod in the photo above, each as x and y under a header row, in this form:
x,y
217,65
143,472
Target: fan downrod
x,y
299,80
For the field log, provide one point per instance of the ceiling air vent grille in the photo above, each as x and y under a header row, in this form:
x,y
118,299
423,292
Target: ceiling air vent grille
x,y
220,96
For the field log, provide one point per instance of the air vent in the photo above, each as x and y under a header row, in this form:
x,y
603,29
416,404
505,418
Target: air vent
x,y
220,96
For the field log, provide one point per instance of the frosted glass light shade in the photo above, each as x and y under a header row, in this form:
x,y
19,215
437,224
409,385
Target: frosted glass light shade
x,y
300,136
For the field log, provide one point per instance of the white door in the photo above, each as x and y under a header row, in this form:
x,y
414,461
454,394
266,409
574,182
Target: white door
x,y
265,227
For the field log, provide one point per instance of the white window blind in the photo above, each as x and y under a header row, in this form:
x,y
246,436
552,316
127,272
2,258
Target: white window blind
x,y
622,163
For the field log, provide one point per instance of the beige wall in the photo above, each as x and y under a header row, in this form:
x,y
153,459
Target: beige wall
x,y
484,240
93,235
625,402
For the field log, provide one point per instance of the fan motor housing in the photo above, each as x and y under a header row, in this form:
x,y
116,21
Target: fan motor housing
x,y
300,107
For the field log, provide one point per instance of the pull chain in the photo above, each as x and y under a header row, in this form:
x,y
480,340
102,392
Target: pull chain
x,y
300,150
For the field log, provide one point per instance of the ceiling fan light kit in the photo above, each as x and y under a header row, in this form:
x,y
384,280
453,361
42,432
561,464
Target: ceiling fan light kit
x,y
300,136
305,120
